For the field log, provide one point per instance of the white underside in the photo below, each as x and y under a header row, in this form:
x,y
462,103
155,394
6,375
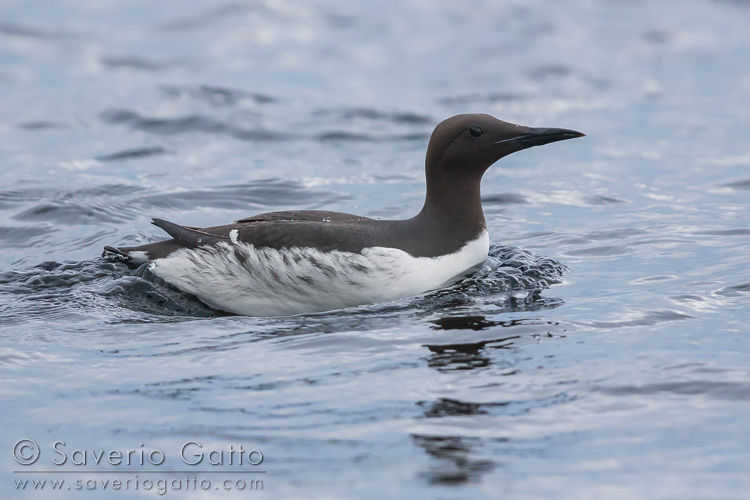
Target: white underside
x,y
242,279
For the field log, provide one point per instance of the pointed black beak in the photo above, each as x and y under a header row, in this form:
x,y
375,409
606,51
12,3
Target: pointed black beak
x,y
540,136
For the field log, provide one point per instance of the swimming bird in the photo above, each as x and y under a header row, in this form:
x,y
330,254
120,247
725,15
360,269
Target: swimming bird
x,y
284,263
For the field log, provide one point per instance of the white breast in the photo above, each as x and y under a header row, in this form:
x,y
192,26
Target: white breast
x,y
242,279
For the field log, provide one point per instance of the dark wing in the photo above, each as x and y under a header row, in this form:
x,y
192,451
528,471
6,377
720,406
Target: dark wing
x,y
323,230
304,215
189,237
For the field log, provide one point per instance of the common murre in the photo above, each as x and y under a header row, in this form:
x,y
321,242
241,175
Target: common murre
x,y
291,262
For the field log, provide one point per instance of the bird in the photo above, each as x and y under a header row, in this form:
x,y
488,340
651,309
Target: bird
x,y
306,261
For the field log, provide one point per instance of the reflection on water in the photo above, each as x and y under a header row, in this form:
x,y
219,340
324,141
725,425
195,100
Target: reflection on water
x,y
453,463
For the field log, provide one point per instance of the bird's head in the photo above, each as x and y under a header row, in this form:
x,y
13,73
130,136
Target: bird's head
x,y
471,143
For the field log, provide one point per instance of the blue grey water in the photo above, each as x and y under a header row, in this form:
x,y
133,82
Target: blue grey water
x,y
603,351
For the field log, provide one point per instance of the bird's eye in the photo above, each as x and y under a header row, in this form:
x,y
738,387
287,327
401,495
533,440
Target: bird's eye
x,y
475,131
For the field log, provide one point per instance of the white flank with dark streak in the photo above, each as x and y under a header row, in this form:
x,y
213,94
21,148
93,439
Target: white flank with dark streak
x,y
138,257
242,279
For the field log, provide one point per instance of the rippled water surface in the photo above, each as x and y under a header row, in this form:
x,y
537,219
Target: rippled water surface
x,y
601,352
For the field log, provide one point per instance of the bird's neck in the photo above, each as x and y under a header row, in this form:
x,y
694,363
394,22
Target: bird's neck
x,y
454,203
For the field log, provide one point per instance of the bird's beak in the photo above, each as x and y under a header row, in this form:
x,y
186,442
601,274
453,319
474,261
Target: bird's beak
x,y
540,136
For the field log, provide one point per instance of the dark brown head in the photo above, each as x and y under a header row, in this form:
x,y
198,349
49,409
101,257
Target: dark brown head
x,y
469,144
461,149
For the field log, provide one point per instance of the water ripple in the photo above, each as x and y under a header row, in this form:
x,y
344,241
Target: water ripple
x,y
190,123
743,184
113,204
136,62
642,318
376,115
730,391
131,154
217,96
